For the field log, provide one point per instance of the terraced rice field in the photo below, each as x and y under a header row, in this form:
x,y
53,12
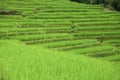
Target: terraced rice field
x,y
69,28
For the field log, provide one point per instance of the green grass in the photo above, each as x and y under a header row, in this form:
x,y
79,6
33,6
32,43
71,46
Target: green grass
x,y
37,37
69,43
43,64
58,40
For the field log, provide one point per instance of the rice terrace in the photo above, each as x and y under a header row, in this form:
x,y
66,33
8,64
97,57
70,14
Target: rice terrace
x,y
59,40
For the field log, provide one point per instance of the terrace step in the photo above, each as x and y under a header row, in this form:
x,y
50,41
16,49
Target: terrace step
x,y
98,27
33,37
92,50
20,33
69,43
70,10
98,30
67,17
115,60
75,13
33,32
90,34
103,54
99,23
112,58
46,40
69,7
76,20
77,46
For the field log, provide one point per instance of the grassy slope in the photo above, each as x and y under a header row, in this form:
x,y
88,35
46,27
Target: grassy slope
x,y
20,62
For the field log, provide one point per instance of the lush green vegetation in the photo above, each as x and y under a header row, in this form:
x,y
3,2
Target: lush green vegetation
x,y
112,4
49,40
20,62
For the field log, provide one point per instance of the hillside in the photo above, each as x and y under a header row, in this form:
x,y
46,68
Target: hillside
x,y
58,40
20,62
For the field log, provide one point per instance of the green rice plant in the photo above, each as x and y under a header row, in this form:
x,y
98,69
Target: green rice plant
x,y
69,43
112,27
98,23
62,17
89,33
37,37
76,46
115,42
46,50
10,17
46,64
92,50
73,13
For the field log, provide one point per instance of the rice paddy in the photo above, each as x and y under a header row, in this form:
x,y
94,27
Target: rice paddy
x,y
58,40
